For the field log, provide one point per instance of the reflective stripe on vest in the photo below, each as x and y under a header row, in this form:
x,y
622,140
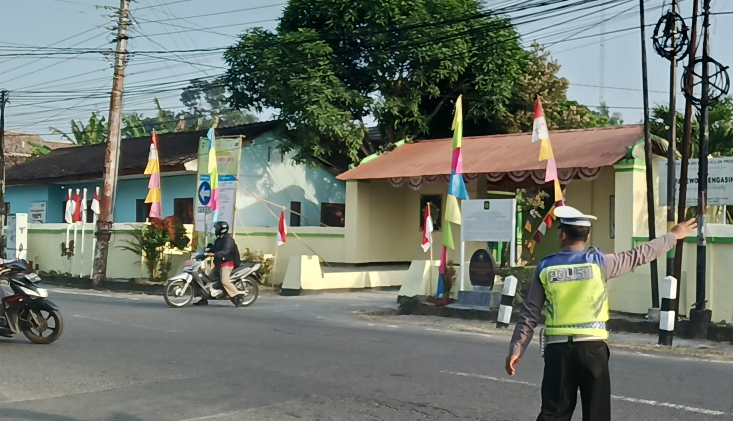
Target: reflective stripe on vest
x,y
577,299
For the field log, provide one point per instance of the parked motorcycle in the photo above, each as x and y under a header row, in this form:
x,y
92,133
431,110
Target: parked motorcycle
x,y
28,310
194,282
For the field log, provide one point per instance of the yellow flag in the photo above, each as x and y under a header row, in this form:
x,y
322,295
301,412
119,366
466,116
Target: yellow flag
x,y
457,125
452,210
153,195
558,191
545,150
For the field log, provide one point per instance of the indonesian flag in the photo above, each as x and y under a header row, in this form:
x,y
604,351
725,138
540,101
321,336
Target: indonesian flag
x,y
69,211
95,202
539,131
282,230
77,207
427,236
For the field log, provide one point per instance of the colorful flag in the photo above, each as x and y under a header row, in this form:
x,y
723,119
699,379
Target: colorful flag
x,y
528,225
69,211
551,171
95,202
456,190
282,230
153,170
76,217
539,129
427,231
213,171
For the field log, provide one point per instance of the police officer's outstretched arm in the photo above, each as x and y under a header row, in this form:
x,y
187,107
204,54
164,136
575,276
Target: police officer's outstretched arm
x,y
620,264
526,322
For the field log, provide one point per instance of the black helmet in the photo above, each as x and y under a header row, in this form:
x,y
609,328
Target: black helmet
x,y
221,228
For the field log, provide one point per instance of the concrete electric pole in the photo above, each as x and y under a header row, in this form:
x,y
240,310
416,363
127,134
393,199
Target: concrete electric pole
x,y
107,200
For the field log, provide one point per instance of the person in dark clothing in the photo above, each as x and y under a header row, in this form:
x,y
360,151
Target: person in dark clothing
x,y
226,259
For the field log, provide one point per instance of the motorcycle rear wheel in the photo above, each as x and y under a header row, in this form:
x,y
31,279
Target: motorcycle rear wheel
x,y
252,291
182,294
34,331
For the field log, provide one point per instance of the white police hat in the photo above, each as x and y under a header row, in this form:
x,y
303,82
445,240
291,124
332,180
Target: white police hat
x,y
571,216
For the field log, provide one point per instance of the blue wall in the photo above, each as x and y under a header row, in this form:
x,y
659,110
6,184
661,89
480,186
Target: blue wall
x,y
263,171
128,192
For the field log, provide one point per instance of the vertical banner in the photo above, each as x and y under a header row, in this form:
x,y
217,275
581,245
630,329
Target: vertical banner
x,y
227,163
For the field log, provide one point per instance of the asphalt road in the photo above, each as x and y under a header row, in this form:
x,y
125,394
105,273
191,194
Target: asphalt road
x,y
125,357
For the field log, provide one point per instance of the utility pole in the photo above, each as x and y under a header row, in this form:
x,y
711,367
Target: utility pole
x,y
700,317
688,85
112,158
3,101
648,159
671,149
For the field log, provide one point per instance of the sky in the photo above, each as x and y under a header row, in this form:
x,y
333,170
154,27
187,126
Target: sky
x,y
50,90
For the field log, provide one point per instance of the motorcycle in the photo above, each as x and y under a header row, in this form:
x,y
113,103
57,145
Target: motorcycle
x,y
28,310
194,282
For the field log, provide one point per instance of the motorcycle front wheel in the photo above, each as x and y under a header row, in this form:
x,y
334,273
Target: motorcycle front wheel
x,y
177,294
248,291
41,326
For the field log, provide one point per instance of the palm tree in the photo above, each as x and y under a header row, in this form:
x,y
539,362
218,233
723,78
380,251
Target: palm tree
x,y
93,133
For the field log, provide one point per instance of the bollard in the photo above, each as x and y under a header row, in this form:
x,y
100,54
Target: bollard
x,y
507,299
667,315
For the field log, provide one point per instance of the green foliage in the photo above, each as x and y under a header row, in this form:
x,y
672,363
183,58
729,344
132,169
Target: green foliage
x,y
150,242
331,64
250,256
39,150
94,132
206,99
720,128
524,278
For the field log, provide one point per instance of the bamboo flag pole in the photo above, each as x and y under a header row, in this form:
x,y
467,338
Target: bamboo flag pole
x,y
83,220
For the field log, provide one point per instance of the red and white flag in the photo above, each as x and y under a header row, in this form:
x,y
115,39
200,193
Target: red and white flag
x,y
282,230
427,231
77,207
539,131
95,202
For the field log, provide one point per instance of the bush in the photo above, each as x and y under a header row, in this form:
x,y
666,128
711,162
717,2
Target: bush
x,y
150,241
524,277
250,256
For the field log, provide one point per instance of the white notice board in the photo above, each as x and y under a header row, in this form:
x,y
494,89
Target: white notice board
x,y
488,220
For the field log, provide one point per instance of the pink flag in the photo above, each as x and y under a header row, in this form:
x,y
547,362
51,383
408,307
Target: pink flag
x,y
443,260
282,230
457,163
427,236
551,171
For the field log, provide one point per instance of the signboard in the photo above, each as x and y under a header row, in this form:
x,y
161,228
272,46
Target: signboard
x,y
37,213
17,246
482,269
720,182
488,220
227,159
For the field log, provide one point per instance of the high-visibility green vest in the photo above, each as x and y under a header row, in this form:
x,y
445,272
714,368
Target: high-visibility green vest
x,y
577,300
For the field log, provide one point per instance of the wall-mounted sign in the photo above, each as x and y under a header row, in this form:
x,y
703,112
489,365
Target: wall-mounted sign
x,y
37,213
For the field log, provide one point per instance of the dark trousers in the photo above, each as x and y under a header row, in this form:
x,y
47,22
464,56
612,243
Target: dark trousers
x,y
571,366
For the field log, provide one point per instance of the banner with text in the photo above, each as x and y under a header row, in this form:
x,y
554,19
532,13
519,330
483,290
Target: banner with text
x,y
227,159
720,182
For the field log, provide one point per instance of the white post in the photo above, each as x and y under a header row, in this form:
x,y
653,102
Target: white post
x,y
513,244
94,231
83,220
667,315
507,299
463,265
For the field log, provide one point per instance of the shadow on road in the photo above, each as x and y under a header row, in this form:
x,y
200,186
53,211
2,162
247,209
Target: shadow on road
x,y
24,414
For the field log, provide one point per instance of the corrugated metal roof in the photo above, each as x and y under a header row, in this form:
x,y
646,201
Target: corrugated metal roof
x,y
586,148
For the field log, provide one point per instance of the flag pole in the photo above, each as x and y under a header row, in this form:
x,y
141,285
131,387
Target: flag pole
x,y
83,220
430,270
277,248
76,228
94,230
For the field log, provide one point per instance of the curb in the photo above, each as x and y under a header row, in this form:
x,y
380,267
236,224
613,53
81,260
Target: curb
x,y
716,333
129,286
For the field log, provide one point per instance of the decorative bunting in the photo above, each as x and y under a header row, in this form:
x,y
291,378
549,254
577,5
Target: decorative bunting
x,y
528,225
448,236
153,170
539,131
530,246
551,171
558,192
457,125
457,163
452,210
213,171
546,150
537,237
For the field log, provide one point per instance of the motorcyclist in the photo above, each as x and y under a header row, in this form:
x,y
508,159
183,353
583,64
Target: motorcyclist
x,y
226,259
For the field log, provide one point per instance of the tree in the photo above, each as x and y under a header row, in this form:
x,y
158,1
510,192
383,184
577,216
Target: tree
x,y
93,133
333,65
204,99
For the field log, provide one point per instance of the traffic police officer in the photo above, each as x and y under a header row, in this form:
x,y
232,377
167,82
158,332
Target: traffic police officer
x,y
571,284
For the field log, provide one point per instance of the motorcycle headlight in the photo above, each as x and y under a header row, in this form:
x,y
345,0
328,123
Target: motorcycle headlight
x,y
32,293
43,292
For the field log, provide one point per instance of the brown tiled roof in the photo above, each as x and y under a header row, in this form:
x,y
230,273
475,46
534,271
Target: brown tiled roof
x,y
87,162
586,148
18,149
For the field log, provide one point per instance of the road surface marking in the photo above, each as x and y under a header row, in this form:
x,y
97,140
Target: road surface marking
x,y
125,324
458,332
618,398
